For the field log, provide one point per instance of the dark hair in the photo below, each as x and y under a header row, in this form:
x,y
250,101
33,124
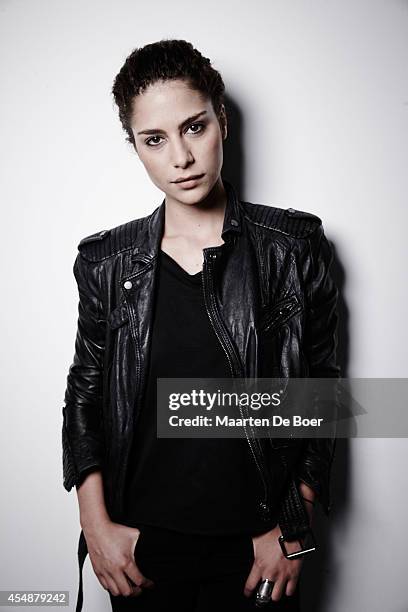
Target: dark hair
x,y
164,60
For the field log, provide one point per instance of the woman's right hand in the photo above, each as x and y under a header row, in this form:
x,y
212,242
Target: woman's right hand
x,y
111,548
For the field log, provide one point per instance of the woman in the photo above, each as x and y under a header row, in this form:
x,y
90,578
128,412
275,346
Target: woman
x,y
205,286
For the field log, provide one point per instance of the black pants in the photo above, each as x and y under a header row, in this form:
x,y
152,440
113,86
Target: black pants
x,y
195,573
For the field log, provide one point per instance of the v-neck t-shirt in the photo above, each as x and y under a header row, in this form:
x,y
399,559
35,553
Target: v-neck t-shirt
x,y
192,485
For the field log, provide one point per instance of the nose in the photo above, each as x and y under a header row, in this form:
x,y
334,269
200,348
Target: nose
x,y
181,154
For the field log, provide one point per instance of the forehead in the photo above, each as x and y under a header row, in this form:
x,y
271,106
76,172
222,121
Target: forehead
x,y
167,101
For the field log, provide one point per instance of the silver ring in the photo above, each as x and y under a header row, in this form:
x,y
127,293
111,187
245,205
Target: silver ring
x,y
264,592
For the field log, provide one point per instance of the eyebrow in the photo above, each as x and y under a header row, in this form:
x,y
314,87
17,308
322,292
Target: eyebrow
x,y
182,124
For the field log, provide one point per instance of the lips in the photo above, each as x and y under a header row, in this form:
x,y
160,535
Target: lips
x,y
189,178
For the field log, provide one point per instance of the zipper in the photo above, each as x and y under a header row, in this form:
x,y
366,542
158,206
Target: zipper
x,y
227,346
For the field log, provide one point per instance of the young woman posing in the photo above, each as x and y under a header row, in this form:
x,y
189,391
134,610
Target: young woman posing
x,y
205,286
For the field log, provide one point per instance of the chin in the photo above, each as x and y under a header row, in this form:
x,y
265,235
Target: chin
x,y
193,195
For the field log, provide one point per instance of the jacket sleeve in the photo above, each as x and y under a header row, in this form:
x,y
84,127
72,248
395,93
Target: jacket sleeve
x,y
82,437
320,350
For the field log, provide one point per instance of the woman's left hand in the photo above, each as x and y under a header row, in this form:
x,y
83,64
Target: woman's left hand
x,y
271,563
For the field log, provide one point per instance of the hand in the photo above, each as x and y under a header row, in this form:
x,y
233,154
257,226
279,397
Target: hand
x,y
271,563
111,549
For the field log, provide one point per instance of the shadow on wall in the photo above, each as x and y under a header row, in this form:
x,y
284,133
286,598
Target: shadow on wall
x,y
318,574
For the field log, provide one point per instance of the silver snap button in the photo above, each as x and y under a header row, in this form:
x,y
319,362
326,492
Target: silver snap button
x,y
291,210
127,285
234,222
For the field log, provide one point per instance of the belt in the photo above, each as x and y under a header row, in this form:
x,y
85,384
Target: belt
x,y
82,552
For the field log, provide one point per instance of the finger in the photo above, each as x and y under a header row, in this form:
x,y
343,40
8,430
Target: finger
x,y
112,587
291,587
103,582
147,583
278,589
136,590
143,581
136,576
138,581
122,583
252,580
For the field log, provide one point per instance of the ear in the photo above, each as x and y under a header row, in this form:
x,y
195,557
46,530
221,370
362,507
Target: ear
x,y
222,118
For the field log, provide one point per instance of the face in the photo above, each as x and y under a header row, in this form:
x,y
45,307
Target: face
x,y
178,135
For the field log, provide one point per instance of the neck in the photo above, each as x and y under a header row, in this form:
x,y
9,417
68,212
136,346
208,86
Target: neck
x,y
202,219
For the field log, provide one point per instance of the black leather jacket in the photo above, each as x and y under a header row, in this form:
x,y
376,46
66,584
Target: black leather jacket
x,y
271,300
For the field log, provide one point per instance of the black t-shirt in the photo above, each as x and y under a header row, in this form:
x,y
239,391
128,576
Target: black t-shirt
x,y
207,486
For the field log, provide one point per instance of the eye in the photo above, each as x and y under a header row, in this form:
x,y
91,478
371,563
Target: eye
x,y
148,141
200,125
153,140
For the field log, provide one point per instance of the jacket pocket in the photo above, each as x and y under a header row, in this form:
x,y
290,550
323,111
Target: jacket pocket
x,y
118,317
280,313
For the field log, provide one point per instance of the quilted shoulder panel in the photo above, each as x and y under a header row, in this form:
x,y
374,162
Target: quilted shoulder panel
x,y
103,244
296,223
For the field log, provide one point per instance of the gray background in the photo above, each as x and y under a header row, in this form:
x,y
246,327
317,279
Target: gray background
x,y
318,98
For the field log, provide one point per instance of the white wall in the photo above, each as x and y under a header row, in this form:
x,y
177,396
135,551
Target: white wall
x,y
322,95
